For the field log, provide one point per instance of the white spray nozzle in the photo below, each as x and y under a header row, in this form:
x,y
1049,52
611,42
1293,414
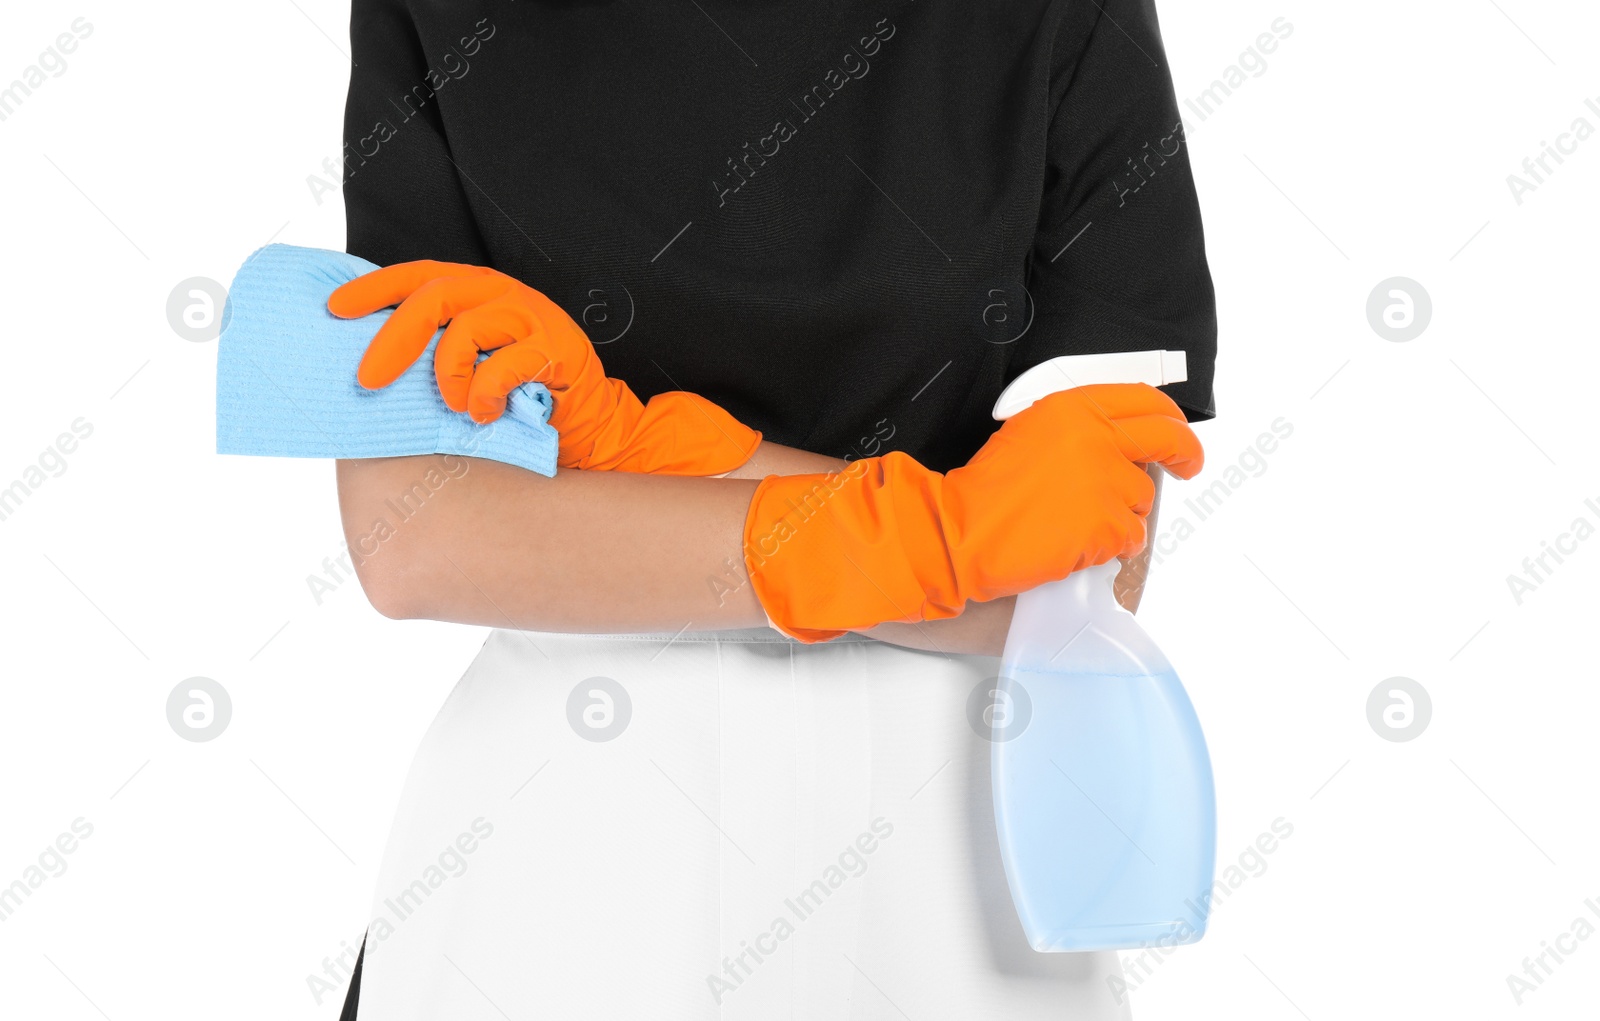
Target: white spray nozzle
x,y
1156,368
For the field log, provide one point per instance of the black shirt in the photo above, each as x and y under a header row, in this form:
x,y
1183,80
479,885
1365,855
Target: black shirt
x,y
849,224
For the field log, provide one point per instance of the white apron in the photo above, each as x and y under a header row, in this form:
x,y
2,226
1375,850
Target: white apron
x,y
720,826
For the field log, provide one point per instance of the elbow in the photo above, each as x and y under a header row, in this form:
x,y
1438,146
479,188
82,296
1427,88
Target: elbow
x,y
383,581
399,573
392,601
390,562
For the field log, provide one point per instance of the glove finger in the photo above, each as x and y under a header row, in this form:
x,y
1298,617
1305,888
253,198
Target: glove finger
x,y
1137,488
502,372
1128,400
400,340
1138,535
1157,439
391,285
1119,532
473,332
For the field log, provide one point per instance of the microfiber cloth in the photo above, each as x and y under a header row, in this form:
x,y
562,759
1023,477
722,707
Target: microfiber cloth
x,y
286,378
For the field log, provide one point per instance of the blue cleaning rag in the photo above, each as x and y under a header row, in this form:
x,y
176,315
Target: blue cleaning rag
x,y
286,378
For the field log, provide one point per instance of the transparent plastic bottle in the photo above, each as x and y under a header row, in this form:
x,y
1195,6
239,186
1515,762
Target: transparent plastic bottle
x,y
1103,792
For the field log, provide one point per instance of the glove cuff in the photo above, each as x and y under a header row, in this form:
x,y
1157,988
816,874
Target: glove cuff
x,y
849,550
677,433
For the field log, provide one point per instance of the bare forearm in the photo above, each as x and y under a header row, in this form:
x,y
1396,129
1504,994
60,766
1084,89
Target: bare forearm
x,y
479,542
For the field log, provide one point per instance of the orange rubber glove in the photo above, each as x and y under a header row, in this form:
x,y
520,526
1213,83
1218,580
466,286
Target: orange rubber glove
x,y
1056,488
601,424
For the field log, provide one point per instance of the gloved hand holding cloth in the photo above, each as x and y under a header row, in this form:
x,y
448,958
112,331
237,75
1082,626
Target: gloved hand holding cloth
x,y
601,423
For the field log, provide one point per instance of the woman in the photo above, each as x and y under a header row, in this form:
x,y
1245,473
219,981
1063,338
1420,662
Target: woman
x,y
717,761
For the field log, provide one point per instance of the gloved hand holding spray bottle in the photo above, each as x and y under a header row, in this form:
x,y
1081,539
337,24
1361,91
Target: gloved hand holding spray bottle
x,y
1103,793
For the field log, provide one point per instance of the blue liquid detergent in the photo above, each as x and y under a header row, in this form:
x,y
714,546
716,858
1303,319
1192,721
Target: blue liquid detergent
x,y
1103,793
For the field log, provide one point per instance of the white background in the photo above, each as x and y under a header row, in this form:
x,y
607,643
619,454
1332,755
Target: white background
x,y
1376,543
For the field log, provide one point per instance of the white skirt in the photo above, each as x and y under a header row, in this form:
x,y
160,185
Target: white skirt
x,y
720,826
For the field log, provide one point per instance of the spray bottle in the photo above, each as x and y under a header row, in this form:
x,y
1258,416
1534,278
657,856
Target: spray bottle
x,y
1103,794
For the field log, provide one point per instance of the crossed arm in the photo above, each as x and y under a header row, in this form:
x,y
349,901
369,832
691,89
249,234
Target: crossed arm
x,y
478,542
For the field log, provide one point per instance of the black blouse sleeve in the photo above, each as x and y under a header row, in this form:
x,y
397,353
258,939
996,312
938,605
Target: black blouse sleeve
x,y
404,197
1118,262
